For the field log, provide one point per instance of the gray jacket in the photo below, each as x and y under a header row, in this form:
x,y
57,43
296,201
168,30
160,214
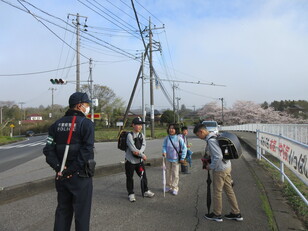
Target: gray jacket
x,y
213,149
132,148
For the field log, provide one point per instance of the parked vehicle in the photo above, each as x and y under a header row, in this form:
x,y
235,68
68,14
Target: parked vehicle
x,y
212,126
29,133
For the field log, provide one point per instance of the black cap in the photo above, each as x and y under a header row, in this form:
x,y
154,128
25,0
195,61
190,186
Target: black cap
x,y
138,120
78,97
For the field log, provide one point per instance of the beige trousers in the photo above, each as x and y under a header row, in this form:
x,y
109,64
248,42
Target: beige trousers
x,y
172,175
222,181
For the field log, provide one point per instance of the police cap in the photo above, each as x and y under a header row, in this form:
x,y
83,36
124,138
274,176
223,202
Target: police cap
x,y
78,97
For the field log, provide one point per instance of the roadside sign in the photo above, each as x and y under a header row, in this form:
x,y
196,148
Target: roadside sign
x,y
97,116
12,126
119,124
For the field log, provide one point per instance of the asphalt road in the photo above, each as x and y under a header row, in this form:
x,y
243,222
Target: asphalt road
x,y
112,211
15,154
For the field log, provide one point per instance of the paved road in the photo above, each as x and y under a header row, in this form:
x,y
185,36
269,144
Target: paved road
x,y
15,154
112,211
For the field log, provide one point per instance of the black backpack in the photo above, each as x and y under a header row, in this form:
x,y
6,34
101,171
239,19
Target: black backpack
x,y
122,145
122,141
230,145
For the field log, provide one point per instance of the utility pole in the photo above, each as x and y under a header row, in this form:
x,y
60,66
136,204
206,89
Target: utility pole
x,y
52,96
151,79
91,90
21,103
173,100
143,106
1,115
77,24
178,108
222,110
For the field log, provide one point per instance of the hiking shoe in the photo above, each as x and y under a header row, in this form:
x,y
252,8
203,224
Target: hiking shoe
x,y
213,217
174,192
237,217
131,197
149,194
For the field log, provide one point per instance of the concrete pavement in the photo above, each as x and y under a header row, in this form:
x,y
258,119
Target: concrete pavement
x,y
112,211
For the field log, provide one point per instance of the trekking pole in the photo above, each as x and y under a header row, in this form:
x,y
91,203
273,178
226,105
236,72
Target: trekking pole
x,y
68,144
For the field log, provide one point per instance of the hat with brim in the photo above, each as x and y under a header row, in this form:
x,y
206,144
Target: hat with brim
x,y
78,97
137,120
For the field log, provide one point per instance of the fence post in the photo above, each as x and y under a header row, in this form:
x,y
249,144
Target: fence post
x,y
281,163
282,171
258,146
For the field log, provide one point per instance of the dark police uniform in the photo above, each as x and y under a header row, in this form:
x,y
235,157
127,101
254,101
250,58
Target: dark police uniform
x,y
75,193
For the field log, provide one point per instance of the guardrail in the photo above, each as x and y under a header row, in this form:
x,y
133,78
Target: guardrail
x,y
290,153
297,132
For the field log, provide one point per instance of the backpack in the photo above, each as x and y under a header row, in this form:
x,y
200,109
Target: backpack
x,y
122,145
230,145
122,141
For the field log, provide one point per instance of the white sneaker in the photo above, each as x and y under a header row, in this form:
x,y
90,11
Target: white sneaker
x,y
174,192
167,189
149,194
131,197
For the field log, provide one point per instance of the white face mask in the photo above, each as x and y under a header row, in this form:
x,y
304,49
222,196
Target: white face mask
x,y
87,110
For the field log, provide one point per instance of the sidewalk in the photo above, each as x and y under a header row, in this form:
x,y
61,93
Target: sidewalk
x,y
112,211
36,176
33,183
284,215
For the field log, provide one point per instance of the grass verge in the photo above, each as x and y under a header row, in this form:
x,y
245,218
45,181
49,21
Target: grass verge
x,y
7,139
111,134
299,206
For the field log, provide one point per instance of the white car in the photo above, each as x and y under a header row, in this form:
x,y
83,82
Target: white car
x,y
211,126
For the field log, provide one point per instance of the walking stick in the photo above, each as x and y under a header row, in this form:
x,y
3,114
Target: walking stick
x,y
68,144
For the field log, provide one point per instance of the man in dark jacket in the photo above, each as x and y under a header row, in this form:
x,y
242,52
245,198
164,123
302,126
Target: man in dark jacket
x,y
74,183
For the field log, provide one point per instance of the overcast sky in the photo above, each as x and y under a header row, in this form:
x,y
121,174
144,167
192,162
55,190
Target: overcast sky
x,y
257,48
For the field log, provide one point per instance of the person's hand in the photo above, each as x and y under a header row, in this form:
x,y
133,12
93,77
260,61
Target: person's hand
x,y
144,157
66,173
136,153
164,154
182,161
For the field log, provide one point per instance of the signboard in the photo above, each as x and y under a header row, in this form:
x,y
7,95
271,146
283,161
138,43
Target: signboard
x,y
119,124
292,154
12,126
97,116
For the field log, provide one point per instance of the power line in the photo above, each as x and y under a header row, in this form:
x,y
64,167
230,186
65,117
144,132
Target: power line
x,y
40,72
149,12
105,16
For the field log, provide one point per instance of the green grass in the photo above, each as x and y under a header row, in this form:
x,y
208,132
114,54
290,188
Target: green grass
x,y
111,134
7,139
300,208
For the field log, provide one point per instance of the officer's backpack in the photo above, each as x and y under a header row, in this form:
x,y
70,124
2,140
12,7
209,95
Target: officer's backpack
x,y
230,145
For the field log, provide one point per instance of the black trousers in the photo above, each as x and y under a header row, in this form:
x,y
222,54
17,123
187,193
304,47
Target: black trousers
x,y
74,197
129,171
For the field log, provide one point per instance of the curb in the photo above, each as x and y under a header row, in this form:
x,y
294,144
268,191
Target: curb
x,y
28,189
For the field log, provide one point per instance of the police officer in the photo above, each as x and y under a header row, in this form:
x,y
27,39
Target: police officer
x,y
74,183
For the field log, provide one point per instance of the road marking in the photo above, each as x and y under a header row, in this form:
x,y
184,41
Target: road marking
x,y
23,145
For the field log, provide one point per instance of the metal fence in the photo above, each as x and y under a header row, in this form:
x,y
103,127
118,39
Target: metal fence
x,y
290,153
297,132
